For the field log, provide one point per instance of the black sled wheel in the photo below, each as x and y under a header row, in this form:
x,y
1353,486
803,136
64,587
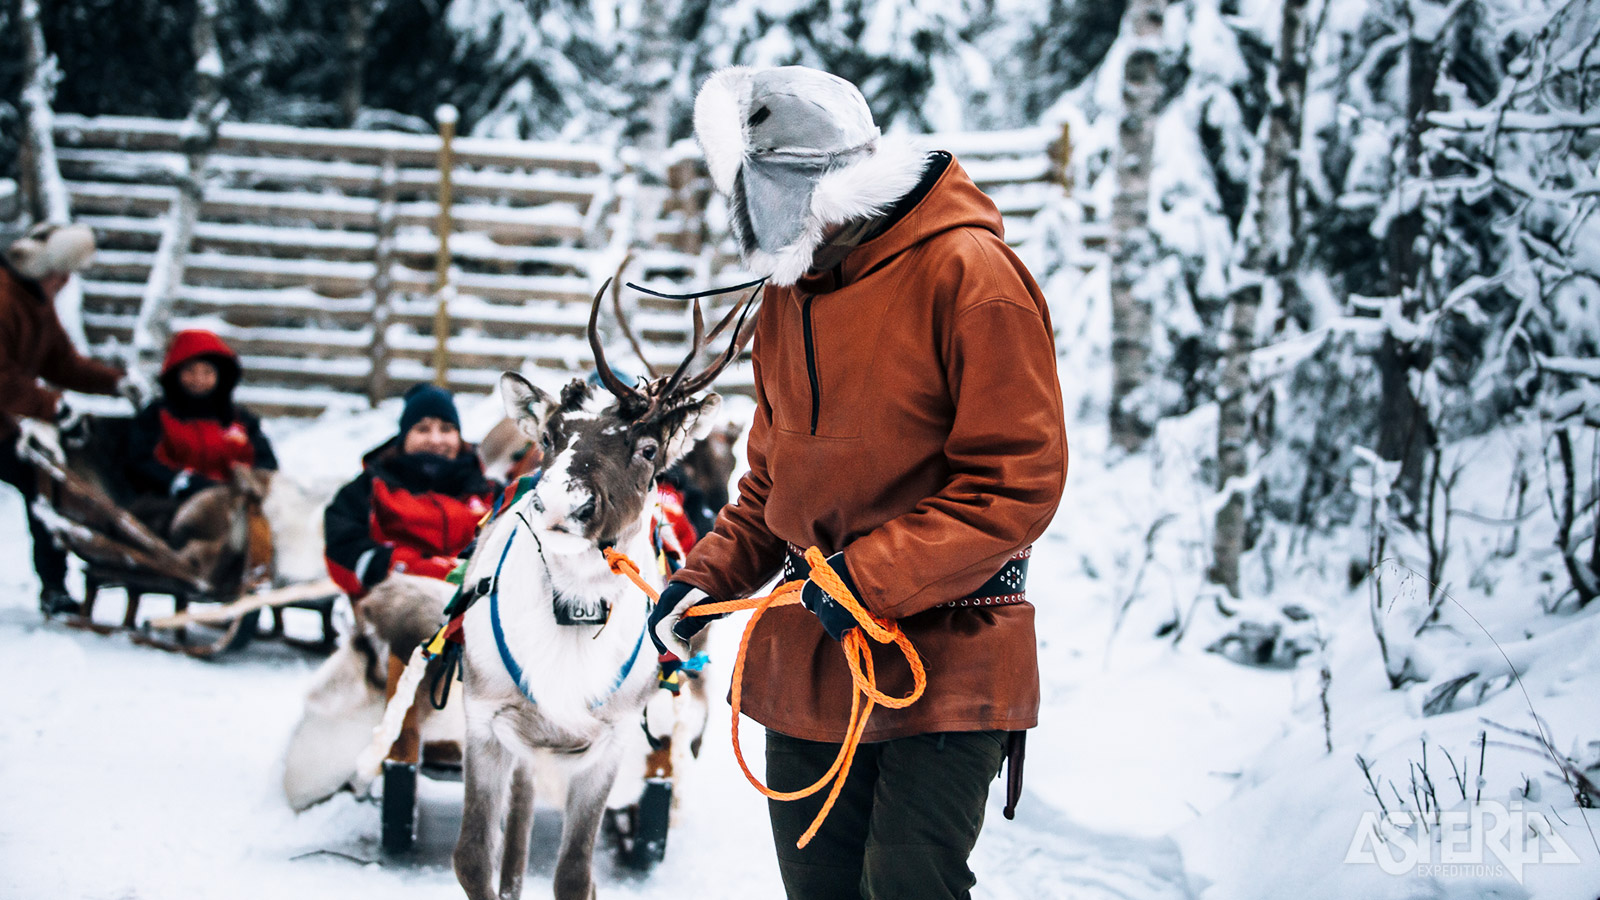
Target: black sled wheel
x,y
644,843
399,806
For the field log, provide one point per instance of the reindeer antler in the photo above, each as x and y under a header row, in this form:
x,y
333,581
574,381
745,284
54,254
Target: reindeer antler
x,y
661,395
622,319
626,394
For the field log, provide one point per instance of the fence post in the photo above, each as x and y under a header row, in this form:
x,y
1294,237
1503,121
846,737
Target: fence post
x,y
1061,157
441,268
683,179
382,278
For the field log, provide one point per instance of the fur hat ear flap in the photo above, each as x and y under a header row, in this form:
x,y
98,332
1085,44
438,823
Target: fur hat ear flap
x,y
720,110
52,249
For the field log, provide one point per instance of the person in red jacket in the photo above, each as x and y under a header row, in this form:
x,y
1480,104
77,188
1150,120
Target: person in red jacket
x,y
416,504
37,362
195,435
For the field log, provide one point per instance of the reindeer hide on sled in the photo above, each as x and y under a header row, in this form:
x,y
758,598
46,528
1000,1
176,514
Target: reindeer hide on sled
x,y
346,699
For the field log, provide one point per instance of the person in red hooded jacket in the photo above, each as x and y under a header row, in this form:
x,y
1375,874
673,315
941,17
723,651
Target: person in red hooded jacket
x,y
416,504
195,434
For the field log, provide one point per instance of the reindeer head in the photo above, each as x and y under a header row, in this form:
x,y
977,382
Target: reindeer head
x,y
604,450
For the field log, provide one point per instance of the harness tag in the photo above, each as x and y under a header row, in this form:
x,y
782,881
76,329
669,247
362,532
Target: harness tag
x,y
576,611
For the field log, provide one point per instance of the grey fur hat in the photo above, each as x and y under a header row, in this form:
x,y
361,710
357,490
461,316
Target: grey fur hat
x,y
795,150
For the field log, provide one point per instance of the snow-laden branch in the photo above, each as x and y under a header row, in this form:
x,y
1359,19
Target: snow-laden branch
x,y
1485,119
1567,365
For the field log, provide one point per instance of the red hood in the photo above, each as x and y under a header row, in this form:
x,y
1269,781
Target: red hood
x,y
192,344
197,344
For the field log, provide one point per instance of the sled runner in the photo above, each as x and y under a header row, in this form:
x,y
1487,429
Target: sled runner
x,y
215,548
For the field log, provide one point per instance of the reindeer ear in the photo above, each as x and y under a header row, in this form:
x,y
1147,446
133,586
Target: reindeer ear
x,y
698,420
525,404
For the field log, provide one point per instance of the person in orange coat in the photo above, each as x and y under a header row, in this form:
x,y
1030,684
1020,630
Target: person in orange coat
x,y
909,425
37,362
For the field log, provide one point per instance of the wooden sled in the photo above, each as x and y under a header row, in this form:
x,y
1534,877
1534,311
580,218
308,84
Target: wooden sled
x,y
77,503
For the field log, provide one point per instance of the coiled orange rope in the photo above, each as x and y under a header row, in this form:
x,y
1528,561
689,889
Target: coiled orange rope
x,y
857,655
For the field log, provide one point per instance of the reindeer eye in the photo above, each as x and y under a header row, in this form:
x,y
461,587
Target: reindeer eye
x,y
647,450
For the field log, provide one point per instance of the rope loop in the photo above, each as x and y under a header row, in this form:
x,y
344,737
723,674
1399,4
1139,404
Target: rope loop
x,y
857,648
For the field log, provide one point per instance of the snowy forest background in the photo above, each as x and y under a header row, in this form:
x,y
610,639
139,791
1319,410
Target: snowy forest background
x,y
1339,393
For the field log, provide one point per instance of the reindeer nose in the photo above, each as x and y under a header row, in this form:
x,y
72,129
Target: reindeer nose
x,y
585,512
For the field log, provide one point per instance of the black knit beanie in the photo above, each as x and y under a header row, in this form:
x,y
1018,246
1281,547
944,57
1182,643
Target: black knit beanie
x,y
424,401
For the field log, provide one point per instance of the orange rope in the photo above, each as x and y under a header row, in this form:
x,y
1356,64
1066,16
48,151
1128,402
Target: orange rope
x,y
857,655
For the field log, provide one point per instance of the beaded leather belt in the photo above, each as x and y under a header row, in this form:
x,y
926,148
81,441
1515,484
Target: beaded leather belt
x,y
1005,587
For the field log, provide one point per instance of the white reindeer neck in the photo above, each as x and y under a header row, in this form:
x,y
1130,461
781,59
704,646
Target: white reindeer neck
x,y
554,664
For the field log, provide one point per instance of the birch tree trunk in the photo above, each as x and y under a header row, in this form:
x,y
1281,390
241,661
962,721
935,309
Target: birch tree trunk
x,y
1405,434
46,198
1133,250
153,326
358,18
388,193
653,71
1265,254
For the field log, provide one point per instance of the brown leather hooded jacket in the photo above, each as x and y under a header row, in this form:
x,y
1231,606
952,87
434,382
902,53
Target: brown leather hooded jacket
x,y
33,345
909,414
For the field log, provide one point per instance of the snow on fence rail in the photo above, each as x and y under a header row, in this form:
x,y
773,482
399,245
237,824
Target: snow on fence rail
x,y
314,249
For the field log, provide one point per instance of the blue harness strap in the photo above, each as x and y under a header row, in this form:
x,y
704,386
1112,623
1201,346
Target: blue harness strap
x,y
510,662
506,659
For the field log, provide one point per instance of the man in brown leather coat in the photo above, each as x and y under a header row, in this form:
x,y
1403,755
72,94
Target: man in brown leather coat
x,y
909,424
34,347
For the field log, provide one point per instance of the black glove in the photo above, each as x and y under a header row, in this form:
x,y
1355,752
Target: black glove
x,y
836,620
670,629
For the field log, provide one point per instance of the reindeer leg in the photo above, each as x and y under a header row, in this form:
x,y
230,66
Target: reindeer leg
x,y
519,831
586,804
488,770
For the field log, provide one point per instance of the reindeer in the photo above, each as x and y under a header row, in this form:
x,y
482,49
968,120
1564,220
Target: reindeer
x,y
558,668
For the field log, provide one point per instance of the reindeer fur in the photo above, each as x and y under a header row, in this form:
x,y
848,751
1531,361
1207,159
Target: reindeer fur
x,y
594,487
345,701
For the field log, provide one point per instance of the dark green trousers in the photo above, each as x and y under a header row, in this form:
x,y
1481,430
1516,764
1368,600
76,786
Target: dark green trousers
x,y
903,826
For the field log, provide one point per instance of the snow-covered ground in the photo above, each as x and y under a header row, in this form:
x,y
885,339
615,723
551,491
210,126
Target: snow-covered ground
x,y
1158,771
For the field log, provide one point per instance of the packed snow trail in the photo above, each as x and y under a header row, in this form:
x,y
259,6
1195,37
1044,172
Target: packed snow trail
x,y
133,773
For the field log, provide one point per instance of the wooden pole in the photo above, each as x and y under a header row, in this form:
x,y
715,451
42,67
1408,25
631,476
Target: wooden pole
x,y
441,269
1064,156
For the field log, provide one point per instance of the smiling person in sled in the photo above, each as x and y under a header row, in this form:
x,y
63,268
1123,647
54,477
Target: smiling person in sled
x,y
908,424
195,435
416,504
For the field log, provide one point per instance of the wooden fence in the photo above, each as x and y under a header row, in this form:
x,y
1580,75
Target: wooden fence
x,y
313,254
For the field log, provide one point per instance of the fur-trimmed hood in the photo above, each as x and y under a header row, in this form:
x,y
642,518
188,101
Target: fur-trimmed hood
x,y
50,248
852,170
